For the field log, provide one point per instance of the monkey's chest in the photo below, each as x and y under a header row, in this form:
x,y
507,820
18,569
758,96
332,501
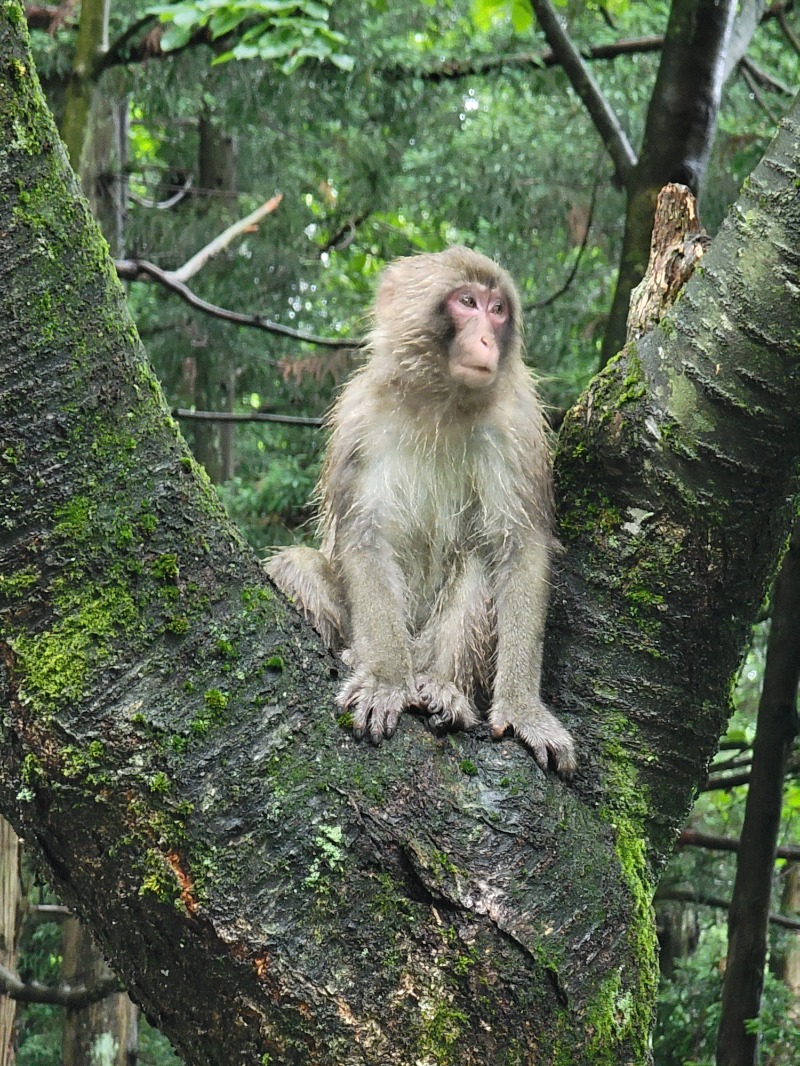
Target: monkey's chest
x,y
432,512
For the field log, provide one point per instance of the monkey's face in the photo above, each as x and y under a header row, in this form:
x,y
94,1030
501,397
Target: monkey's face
x,y
481,319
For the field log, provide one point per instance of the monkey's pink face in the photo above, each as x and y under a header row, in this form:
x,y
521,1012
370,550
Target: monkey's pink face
x,y
480,316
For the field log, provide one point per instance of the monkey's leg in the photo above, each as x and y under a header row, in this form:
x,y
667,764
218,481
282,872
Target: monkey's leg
x,y
309,579
521,598
380,687
454,648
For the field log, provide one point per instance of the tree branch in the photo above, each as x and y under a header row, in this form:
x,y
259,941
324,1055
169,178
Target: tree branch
x,y
257,416
63,996
764,78
687,895
787,30
454,69
136,269
220,243
587,89
692,838
722,782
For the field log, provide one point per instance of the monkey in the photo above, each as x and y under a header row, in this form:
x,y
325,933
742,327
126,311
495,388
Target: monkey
x,y
437,514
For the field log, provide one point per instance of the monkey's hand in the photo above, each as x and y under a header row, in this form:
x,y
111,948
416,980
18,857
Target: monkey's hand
x,y
538,729
447,705
376,705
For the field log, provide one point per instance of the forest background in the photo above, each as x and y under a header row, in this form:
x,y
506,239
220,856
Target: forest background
x,y
373,131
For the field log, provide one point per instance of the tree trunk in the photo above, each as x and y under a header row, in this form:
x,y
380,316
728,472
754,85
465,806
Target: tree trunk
x,y
271,890
215,381
91,43
752,890
787,963
9,929
105,1033
104,162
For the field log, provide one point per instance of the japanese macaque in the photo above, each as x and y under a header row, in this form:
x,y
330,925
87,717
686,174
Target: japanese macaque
x,y
437,514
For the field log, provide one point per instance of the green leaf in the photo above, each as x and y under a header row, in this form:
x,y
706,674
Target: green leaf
x,y
176,37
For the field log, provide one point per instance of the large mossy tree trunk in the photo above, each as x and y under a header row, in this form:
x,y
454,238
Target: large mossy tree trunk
x,y
270,890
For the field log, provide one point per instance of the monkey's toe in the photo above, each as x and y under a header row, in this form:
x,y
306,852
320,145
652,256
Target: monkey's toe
x,y
446,704
540,731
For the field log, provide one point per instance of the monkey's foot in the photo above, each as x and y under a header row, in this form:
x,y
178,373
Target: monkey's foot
x,y
538,729
447,705
375,705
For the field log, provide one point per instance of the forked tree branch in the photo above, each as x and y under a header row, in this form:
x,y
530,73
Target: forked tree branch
x,y
584,84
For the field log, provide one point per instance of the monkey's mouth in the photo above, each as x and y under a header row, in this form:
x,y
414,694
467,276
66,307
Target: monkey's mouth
x,y
476,375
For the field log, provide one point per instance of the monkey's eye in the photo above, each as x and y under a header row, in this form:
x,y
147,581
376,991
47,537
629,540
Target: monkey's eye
x,y
467,299
498,308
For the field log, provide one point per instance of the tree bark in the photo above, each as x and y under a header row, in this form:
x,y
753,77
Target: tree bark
x,y
271,890
752,890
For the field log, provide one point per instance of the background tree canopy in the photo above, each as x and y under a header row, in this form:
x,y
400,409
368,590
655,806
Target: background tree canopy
x,y
389,129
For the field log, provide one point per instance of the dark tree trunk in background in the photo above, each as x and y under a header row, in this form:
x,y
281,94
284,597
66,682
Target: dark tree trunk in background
x,y
678,931
104,161
752,890
105,1032
215,361
681,122
785,963
268,888
10,899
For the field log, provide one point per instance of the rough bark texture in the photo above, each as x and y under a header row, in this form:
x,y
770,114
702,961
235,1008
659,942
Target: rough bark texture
x,y
272,891
680,127
752,890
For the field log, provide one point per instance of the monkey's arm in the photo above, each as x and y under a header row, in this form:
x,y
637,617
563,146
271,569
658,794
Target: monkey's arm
x,y
380,686
521,608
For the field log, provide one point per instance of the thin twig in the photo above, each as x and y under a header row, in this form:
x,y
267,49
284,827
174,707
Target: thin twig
x,y
256,416
583,246
220,243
